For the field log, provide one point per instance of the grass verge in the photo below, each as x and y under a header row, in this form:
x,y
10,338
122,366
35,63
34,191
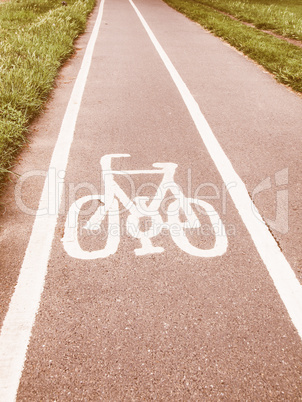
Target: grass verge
x,y
283,17
36,37
280,58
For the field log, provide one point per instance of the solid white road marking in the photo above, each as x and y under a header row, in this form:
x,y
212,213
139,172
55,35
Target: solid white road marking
x,y
18,323
279,269
17,326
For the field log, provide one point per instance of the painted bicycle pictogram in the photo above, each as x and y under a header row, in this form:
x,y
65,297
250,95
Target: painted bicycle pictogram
x,y
138,208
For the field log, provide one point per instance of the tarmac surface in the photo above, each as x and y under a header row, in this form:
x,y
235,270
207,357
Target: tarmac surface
x,y
140,305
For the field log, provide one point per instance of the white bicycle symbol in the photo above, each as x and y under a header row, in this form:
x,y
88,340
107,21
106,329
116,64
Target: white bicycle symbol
x,y
138,209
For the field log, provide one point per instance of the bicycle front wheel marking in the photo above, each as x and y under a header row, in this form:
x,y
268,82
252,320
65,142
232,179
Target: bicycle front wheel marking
x,y
180,238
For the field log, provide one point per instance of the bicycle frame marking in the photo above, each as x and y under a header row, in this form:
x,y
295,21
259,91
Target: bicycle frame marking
x,y
138,209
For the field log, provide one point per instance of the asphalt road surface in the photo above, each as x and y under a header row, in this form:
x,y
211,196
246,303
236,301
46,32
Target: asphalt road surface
x,y
144,270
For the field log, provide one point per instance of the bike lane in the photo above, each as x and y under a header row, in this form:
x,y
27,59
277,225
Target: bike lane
x,y
168,325
256,120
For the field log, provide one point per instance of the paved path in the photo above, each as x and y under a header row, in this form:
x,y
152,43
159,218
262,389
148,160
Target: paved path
x,y
136,302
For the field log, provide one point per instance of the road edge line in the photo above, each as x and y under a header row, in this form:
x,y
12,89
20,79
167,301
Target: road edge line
x,y
283,276
19,320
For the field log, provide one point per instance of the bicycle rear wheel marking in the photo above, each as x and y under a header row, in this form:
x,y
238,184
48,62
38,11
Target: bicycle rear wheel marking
x,y
71,241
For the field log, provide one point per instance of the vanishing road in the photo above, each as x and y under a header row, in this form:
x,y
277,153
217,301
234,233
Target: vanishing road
x,y
134,264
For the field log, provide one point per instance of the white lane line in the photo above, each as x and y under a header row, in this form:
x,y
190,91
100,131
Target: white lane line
x,y
18,323
279,269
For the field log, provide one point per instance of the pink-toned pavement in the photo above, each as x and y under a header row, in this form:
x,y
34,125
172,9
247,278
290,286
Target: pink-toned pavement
x,y
171,325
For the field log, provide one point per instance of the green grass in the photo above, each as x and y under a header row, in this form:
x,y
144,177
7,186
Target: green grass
x,y
36,37
281,16
280,58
